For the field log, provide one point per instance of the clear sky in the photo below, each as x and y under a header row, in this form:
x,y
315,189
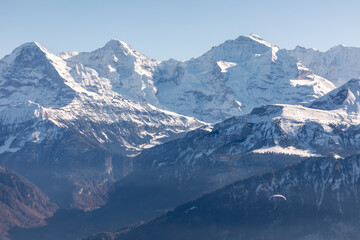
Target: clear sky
x,y
163,29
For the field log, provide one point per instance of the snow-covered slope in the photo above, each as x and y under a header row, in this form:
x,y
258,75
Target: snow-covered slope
x,y
233,78
338,64
345,98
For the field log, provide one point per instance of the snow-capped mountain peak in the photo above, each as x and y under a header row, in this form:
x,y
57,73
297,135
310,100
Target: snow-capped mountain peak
x,y
242,48
32,73
250,71
120,47
25,52
337,47
126,71
114,52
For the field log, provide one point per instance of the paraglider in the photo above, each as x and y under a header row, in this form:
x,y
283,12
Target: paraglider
x,y
277,196
277,200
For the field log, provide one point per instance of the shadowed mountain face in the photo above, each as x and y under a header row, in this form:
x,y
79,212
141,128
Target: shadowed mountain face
x,y
322,203
22,204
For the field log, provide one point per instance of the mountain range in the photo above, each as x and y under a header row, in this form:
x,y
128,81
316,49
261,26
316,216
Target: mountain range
x,y
100,131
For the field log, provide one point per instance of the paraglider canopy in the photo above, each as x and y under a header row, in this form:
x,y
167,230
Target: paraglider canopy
x,y
277,196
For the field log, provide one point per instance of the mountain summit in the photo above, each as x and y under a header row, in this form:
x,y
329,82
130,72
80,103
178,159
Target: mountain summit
x,y
233,78
119,68
31,73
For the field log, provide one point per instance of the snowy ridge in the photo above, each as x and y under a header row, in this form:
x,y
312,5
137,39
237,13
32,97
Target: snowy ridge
x,y
261,40
151,123
275,129
298,130
346,98
338,64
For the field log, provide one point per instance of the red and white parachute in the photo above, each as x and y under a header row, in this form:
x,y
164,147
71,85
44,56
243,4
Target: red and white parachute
x,y
277,196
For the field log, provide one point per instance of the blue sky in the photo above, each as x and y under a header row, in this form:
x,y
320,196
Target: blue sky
x,y
162,29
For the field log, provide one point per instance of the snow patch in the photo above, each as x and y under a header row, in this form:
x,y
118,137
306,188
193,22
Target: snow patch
x,y
288,150
36,137
6,147
190,209
225,65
